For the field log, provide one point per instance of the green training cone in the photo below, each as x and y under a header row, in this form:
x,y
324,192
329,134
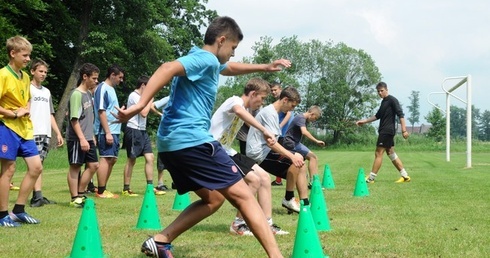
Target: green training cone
x,y
319,210
149,218
361,188
327,182
306,242
181,201
87,242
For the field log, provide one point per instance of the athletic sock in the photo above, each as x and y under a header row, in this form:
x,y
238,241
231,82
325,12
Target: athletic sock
x,y
100,189
306,201
403,173
3,214
269,221
126,188
372,175
149,182
289,195
18,208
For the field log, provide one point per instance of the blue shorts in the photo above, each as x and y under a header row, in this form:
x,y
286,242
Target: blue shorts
x,y
13,146
106,150
203,166
301,149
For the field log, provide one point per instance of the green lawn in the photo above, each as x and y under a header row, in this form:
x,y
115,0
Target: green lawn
x,y
443,212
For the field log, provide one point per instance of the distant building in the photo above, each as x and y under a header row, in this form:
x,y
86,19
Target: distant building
x,y
421,129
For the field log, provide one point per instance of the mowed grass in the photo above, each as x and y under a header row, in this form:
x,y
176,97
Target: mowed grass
x,y
443,212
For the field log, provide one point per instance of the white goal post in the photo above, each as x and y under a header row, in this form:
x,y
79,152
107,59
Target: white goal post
x,y
461,80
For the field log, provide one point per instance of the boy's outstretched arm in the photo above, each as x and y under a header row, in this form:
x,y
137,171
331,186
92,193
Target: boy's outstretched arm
x,y
234,68
243,114
162,76
308,135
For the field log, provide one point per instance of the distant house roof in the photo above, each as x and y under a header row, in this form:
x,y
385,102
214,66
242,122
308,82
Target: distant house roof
x,y
422,129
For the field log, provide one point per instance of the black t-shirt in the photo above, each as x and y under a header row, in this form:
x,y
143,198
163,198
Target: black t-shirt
x,y
389,109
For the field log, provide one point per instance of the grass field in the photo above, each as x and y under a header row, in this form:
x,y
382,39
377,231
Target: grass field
x,y
443,212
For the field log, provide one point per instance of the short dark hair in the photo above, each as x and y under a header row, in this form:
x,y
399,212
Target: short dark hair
x,y
88,69
142,80
274,84
114,69
291,93
381,85
222,26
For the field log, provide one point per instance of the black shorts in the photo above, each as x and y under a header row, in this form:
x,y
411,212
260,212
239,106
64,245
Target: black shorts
x,y
386,141
276,164
203,166
137,142
244,163
76,156
160,165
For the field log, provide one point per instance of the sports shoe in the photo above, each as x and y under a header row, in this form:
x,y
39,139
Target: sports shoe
x,y
158,192
107,195
40,202
24,218
291,205
13,187
403,179
152,249
129,193
8,222
78,202
240,229
276,230
275,183
369,180
162,188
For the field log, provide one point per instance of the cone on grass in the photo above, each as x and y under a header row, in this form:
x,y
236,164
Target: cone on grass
x,y
319,210
149,218
87,241
328,182
361,188
306,242
181,201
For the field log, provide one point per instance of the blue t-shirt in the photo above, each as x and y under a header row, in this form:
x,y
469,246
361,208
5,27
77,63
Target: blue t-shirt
x,y
188,112
105,98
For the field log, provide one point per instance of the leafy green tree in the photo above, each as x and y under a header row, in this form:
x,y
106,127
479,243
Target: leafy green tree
x,y
414,108
438,121
484,126
335,77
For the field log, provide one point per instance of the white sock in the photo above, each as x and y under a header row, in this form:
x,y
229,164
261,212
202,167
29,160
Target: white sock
x,y
372,175
239,221
269,220
403,172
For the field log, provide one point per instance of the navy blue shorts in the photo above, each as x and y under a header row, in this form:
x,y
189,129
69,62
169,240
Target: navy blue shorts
x,y
137,142
105,150
13,146
203,166
386,141
276,164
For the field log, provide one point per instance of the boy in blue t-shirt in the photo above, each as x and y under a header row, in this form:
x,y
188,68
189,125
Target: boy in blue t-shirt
x,y
194,159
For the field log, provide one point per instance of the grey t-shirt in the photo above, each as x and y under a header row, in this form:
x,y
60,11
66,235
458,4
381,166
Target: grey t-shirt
x,y
257,148
80,107
293,135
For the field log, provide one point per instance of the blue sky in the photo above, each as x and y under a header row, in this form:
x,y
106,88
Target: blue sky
x,y
415,44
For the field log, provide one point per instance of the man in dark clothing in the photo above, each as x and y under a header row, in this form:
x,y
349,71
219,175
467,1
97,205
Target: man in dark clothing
x,y
389,109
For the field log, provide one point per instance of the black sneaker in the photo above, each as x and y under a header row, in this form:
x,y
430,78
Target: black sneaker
x,y
152,249
162,188
40,202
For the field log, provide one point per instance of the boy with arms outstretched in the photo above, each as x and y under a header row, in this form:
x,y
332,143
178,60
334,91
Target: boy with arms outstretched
x,y
225,124
194,159
17,134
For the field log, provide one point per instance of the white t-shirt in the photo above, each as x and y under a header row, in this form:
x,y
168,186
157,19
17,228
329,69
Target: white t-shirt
x,y
161,103
41,110
257,148
225,124
137,122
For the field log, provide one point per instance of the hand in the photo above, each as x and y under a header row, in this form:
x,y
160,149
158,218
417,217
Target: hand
x,y
123,115
360,122
405,134
22,111
84,145
109,139
298,160
60,140
270,138
320,143
278,65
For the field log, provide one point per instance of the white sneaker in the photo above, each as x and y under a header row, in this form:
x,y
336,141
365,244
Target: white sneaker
x,y
276,230
291,205
240,229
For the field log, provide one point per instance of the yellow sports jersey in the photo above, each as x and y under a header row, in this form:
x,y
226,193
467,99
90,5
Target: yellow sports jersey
x,y
15,93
